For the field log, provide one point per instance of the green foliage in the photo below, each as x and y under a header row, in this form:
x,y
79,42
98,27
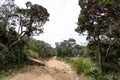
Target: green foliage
x,y
68,59
83,65
68,48
11,59
40,48
101,20
2,75
107,2
13,41
11,72
31,53
33,18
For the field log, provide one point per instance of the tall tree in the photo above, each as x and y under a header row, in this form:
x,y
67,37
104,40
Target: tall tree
x,y
101,20
15,25
30,19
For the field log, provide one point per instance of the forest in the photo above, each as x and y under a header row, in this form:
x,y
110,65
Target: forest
x,y
98,60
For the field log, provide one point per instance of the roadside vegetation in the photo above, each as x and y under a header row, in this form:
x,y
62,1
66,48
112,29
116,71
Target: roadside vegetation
x,y
16,28
98,60
101,20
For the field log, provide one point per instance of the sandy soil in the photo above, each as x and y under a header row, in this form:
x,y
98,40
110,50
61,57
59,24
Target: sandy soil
x,y
54,70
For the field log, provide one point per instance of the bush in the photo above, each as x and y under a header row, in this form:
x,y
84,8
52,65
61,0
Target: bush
x,y
31,53
83,65
2,75
86,66
68,59
11,58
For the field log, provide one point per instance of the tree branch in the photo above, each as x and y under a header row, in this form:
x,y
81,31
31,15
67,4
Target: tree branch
x,y
16,41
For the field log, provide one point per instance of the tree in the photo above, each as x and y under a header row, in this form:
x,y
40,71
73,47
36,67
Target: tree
x,y
101,20
41,48
30,20
68,48
16,24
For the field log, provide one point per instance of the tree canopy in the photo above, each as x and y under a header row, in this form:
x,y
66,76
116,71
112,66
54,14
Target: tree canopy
x,y
101,20
68,48
22,22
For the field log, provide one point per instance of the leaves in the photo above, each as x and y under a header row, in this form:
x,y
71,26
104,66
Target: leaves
x,y
107,2
100,18
68,48
39,48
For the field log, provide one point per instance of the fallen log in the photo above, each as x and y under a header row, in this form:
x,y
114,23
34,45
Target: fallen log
x,y
36,62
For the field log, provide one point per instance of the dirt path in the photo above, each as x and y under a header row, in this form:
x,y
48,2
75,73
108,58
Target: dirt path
x,y
54,70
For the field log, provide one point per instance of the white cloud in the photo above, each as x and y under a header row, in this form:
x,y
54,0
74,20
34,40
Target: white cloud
x,y
63,19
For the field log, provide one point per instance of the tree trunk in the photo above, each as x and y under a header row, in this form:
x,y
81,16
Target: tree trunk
x,y
99,57
98,46
99,53
16,41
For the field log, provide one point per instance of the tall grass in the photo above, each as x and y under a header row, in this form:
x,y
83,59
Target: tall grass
x,y
85,66
82,65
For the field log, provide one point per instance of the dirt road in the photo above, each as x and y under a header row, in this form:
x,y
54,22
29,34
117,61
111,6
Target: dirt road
x,y
54,70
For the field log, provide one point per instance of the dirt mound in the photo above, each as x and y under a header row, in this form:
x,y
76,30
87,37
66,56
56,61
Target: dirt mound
x,y
54,70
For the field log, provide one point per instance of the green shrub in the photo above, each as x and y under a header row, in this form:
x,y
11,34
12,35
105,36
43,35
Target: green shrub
x,y
2,75
78,66
11,58
83,65
68,59
31,53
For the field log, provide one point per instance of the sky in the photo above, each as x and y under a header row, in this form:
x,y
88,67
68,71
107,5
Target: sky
x,y
62,21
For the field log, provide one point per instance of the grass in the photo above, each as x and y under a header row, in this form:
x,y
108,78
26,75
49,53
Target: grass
x,y
80,64
31,53
2,75
83,66
11,72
